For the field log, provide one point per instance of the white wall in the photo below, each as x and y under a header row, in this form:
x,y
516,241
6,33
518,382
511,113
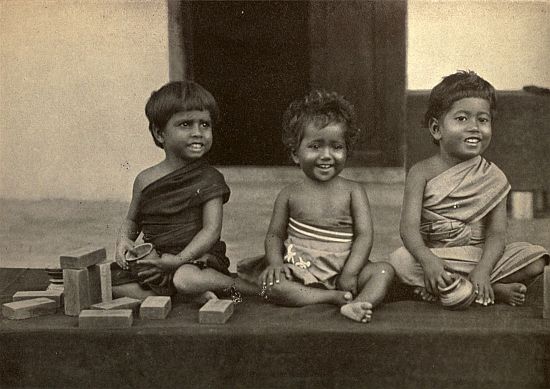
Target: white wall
x,y
74,79
75,76
506,41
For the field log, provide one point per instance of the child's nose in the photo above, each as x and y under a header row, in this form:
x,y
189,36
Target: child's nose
x,y
325,152
195,130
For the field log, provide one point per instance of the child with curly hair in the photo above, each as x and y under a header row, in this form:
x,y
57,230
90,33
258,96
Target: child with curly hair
x,y
321,234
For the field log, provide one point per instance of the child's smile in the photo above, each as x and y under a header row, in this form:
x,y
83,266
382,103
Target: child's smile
x,y
465,130
188,135
322,152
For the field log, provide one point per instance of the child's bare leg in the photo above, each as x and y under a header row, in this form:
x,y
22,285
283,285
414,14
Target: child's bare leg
x,y
293,294
374,282
191,280
512,289
133,290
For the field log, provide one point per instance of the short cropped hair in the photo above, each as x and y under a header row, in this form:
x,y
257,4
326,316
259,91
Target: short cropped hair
x,y
178,96
320,108
454,87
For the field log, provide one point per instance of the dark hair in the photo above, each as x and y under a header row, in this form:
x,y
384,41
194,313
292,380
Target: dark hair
x,y
178,96
454,87
320,108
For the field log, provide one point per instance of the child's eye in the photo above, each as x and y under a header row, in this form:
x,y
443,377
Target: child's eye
x,y
205,124
185,123
338,147
461,118
314,146
484,120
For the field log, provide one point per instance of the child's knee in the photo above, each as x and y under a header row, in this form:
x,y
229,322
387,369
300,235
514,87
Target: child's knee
x,y
185,280
379,270
536,268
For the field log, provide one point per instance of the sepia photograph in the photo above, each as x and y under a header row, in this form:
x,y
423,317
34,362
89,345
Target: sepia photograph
x,y
275,194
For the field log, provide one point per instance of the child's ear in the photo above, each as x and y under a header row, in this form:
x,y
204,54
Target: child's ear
x,y
433,126
294,156
157,133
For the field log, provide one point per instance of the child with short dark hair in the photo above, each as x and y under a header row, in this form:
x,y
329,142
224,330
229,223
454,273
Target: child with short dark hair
x,y
177,204
321,234
454,217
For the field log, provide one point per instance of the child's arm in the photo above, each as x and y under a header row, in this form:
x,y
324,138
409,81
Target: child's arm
x,y
434,272
212,215
129,230
274,240
492,250
362,240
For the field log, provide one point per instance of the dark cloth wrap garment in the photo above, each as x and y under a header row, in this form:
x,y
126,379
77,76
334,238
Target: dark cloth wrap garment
x,y
170,212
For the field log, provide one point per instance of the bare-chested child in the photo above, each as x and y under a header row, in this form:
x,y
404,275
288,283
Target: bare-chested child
x,y
321,234
454,218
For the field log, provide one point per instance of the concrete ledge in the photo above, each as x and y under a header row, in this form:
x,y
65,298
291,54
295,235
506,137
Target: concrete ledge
x,y
381,175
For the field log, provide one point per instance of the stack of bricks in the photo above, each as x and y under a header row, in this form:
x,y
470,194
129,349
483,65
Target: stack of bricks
x,y
86,279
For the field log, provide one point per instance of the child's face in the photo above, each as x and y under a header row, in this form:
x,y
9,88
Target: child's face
x,y
187,135
464,131
322,152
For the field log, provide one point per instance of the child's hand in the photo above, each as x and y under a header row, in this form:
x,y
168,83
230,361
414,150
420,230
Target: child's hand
x,y
347,282
435,275
272,274
123,246
482,286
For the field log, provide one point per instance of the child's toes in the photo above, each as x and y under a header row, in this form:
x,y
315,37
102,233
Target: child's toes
x,y
357,311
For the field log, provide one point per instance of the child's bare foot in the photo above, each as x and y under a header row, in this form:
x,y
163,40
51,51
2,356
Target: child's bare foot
x,y
358,310
206,296
423,294
513,294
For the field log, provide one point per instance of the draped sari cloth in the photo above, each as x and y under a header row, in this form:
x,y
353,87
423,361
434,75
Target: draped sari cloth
x,y
453,223
315,250
170,212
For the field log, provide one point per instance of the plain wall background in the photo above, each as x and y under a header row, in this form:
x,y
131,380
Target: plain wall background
x,y
75,76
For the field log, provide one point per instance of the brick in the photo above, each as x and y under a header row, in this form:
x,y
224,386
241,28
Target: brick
x,y
100,283
546,291
77,291
83,257
216,312
120,303
116,318
25,309
56,295
155,307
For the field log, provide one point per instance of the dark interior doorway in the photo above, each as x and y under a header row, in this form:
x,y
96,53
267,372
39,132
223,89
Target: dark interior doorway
x,y
257,56
253,57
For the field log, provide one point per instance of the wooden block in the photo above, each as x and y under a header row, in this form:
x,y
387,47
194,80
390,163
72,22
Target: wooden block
x,y
77,291
29,308
546,291
116,318
56,295
83,257
100,283
120,303
216,312
155,307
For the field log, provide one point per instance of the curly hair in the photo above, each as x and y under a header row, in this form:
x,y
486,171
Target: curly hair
x,y
320,108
